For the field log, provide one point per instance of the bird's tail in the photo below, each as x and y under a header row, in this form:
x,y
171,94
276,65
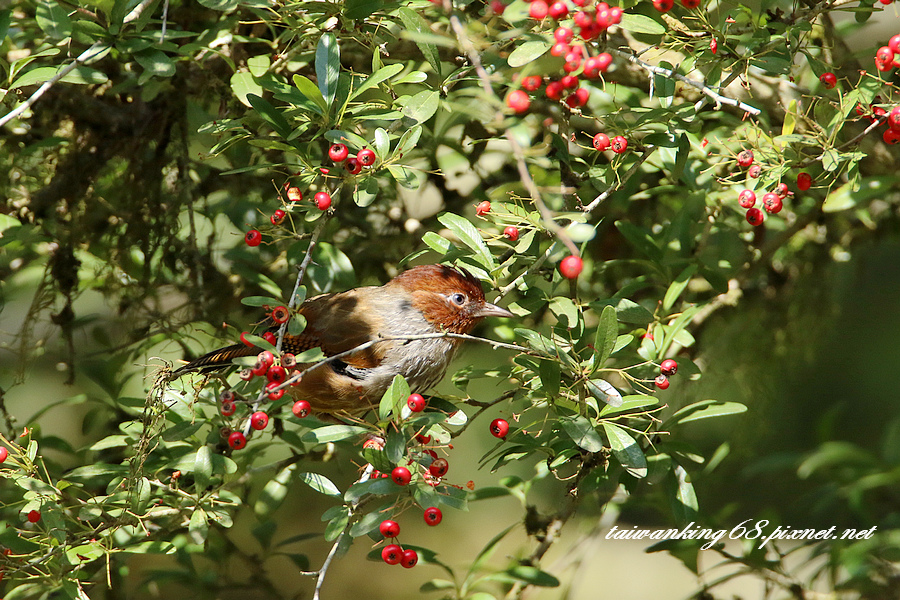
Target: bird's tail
x,y
217,359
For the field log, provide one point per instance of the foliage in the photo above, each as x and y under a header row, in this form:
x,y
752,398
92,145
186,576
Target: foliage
x,y
168,131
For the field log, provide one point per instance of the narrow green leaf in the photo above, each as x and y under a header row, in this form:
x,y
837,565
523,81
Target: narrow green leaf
x,y
79,75
628,403
468,235
607,333
678,286
640,239
528,52
270,114
309,91
533,576
361,9
605,392
381,486
684,502
408,141
181,431
382,144
404,176
706,409
261,301
156,62
328,66
220,5
332,433
377,77
273,493
393,398
320,483
637,23
203,467
582,432
626,450
416,24
422,106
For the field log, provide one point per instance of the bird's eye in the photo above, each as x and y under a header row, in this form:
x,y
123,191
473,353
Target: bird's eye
x,y
458,299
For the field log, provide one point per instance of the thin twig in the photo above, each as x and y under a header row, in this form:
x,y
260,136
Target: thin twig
x,y
718,98
603,196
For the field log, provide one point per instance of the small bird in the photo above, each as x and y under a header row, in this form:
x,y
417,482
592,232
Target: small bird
x,y
423,300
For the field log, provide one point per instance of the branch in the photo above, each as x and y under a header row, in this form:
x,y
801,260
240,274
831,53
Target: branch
x,y
718,98
603,196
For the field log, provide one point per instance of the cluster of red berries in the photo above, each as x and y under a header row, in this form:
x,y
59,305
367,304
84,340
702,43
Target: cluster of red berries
x,y
588,21
602,143
666,369
667,5
393,553
511,232
340,154
885,57
772,202
891,134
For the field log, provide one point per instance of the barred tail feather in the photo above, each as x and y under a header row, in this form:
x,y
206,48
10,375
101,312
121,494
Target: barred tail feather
x,y
217,359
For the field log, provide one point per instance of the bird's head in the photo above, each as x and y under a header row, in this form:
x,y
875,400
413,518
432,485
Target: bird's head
x,y
451,299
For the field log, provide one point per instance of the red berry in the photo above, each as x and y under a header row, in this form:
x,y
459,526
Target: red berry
x,y
578,98
690,3
483,208
829,79
277,217
804,181
391,554
747,199
781,190
416,402
518,101
34,516
294,194
497,7
237,440
266,358
885,55
366,157
538,10
353,166
259,420
409,558
604,59
894,44
619,144
389,529
891,136
558,10
499,428
244,339
269,337
511,233
301,409
601,142
745,158
401,475
323,200
570,82
280,314
554,90
663,5
227,408
563,34
615,15
661,381
253,237
668,367
713,45
755,171
273,393
571,266
772,203
439,467
433,516
583,19
560,49
338,152
894,118
532,83
755,217
4,453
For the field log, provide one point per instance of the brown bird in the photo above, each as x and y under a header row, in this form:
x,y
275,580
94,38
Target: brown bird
x,y
423,300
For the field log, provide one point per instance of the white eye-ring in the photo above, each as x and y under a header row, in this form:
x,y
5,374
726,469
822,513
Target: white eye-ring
x,y
458,299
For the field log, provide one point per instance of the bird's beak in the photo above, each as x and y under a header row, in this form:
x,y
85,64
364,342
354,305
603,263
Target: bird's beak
x,y
492,310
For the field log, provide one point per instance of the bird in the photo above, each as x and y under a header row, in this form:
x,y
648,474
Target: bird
x,y
427,299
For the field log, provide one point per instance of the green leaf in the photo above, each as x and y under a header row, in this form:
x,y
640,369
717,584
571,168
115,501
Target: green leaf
x,y
181,431
199,525
274,492
640,238
328,66
203,467
528,52
469,236
393,398
220,5
422,106
684,501
382,144
416,24
79,75
678,286
320,483
243,84
533,576
380,486
564,310
261,301
628,403
408,141
637,23
53,19
607,333
270,114
309,91
360,9
156,63
332,433
377,459
582,432
605,392
377,77
845,197
259,65
706,409
626,450
831,159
